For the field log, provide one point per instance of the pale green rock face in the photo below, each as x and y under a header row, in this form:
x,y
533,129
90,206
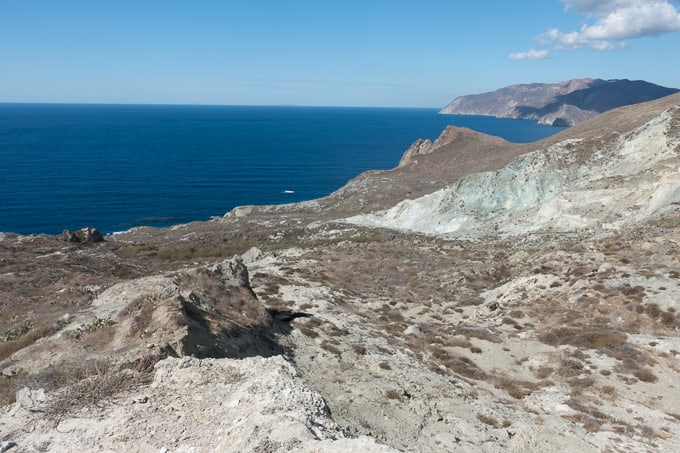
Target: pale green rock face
x,y
571,185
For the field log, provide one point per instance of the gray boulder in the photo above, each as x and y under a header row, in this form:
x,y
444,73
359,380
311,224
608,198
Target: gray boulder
x,y
33,400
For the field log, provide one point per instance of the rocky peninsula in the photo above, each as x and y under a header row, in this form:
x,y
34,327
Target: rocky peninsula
x,y
558,104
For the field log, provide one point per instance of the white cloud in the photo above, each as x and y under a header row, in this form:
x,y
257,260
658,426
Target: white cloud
x,y
591,7
615,21
531,54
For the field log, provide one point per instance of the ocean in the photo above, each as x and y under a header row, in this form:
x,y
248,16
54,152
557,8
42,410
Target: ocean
x,y
113,167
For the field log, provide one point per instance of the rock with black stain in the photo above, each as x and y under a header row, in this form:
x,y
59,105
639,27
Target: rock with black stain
x,y
83,235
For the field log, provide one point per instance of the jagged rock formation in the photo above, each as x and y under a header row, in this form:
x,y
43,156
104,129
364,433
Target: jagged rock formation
x,y
451,136
205,312
504,297
558,104
84,235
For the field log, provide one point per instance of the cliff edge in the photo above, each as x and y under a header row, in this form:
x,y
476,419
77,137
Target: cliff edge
x,y
558,104
482,296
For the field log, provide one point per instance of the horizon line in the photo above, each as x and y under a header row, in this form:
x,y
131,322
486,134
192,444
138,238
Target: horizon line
x,y
215,105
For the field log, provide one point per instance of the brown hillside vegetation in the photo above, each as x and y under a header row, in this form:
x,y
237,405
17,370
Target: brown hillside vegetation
x,y
483,296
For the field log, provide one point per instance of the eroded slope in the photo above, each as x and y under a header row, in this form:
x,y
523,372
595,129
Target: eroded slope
x,y
524,337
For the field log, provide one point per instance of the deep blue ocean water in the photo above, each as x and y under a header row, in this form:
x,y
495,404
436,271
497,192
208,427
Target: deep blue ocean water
x,y
118,166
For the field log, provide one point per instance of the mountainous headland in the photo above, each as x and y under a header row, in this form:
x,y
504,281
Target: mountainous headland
x,y
482,296
558,104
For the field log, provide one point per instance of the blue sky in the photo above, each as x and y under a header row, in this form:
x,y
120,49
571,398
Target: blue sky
x,y
324,52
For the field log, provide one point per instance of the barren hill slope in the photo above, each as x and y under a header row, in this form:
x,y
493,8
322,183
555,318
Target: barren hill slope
x,y
605,183
525,298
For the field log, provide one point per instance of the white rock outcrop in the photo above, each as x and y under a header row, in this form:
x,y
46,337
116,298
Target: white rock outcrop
x,y
568,186
199,405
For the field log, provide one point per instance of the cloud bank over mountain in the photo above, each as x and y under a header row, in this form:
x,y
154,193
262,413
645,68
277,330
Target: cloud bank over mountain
x,y
609,25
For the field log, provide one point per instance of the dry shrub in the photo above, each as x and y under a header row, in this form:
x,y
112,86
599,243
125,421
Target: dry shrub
x,y
516,388
335,331
130,251
190,253
652,310
452,341
632,361
359,349
306,331
307,326
471,301
608,391
99,339
488,420
136,305
590,424
392,315
74,386
270,289
392,394
591,418
434,336
328,346
143,318
667,318
480,333
581,383
674,415
592,339
580,271
543,372
519,314
570,368
599,287
636,292
393,328
7,348
627,380
92,390
459,364
645,375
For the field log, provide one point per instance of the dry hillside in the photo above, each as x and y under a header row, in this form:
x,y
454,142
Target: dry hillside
x,y
483,296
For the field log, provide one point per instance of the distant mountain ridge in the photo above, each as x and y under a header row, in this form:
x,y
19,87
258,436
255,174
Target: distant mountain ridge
x,y
558,104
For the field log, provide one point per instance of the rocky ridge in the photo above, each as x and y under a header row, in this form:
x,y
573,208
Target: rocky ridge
x,y
564,187
558,104
546,319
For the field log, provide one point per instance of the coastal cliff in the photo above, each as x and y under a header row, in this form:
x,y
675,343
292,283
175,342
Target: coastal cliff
x,y
558,104
482,296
